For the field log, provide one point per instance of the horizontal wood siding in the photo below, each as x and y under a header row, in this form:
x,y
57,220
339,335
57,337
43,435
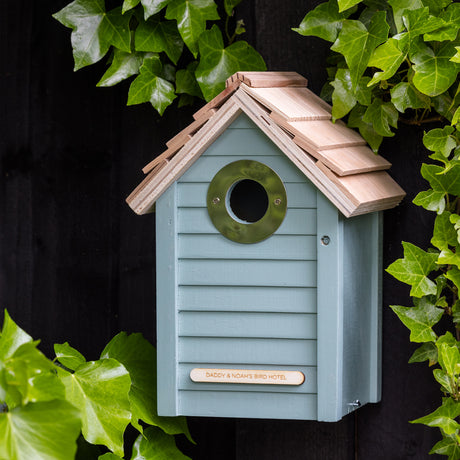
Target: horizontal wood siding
x,y
246,305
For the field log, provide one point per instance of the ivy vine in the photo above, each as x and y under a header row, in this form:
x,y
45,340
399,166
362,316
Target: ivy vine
x,y
166,44
397,62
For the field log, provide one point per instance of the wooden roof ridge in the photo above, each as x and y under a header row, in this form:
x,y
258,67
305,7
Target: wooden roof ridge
x,y
334,157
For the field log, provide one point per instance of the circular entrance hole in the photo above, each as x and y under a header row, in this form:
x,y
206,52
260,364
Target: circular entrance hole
x,y
248,200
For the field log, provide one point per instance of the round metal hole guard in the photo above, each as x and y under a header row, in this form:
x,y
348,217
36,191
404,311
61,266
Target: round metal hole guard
x,y
217,201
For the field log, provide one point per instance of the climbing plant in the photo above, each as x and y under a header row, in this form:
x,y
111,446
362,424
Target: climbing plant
x,y
171,49
58,409
397,62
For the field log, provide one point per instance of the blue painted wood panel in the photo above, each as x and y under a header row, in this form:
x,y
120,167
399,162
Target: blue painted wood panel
x,y
247,325
241,404
294,352
247,298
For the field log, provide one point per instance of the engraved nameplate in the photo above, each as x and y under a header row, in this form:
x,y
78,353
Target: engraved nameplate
x,y
247,376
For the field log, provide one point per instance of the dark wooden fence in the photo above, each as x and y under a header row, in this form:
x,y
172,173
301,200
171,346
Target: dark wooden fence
x,y
77,264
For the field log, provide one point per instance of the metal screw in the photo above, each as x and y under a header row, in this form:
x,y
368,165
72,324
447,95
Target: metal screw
x,y
353,405
277,201
216,200
325,240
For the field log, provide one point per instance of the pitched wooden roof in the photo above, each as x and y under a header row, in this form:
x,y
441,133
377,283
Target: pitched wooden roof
x,y
334,157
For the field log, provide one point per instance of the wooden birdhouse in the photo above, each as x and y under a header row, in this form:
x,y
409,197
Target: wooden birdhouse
x,y
268,244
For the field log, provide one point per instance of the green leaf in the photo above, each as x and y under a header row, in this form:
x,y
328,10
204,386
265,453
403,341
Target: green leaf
x,y
413,270
100,390
434,72
186,81
453,274
218,63
443,417
40,431
230,5
449,358
400,6
109,456
152,7
94,30
343,97
455,220
440,140
456,117
456,56
150,87
447,182
156,445
448,446
356,43
450,23
191,17
346,4
405,96
388,57
419,21
382,115
139,358
431,200
444,380
324,21
129,5
436,6
68,356
123,66
419,320
157,36
11,337
426,352
355,120
447,257
444,234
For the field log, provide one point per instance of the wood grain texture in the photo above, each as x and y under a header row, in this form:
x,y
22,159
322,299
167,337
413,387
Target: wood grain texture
x,y
218,101
267,79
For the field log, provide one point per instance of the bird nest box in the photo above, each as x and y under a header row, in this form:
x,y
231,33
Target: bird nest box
x,y
268,244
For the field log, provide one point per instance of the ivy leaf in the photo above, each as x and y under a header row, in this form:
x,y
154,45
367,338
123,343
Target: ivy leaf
x,y
156,445
68,356
129,5
346,4
456,56
419,320
447,182
94,30
355,120
443,417
157,36
150,87
444,234
436,6
218,63
324,21
382,115
356,43
447,257
11,337
448,446
405,96
152,7
455,220
420,21
443,378
433,70
413,270
42,430
449,358
431,200
456,117
139,358
109,456
400,6
191,17
123,66
453,274
450,23
388,57
440,140
100,390
426,352
230,5
186,81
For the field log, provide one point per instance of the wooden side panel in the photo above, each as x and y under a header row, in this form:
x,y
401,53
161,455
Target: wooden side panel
x,y
362,304
167,358
330,311
246,304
